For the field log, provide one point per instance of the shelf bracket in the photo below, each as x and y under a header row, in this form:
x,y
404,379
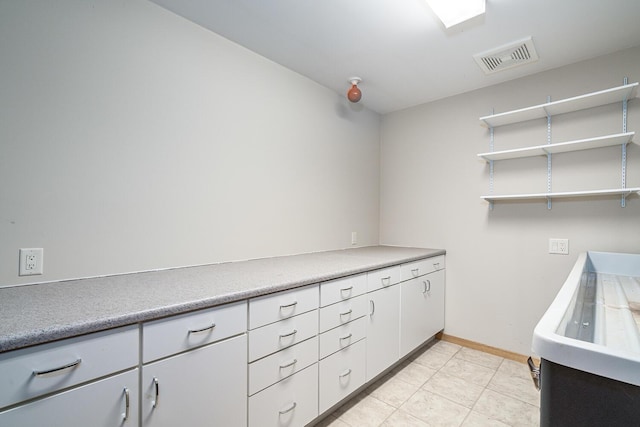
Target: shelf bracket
x,y
624,149
548,156
491,140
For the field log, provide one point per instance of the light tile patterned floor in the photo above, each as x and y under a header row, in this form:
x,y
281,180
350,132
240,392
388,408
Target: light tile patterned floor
x,y
445,385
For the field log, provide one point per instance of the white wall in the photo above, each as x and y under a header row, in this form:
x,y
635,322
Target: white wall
x,y
131,139
500,278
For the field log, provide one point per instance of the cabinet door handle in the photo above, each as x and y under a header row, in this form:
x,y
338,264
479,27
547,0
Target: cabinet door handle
x,y
58,369
207,328
295,331
125,416
291,407
156,385
427,286
346,313
345,373
346,337
373,307
415,272
286,365
387,280
288,305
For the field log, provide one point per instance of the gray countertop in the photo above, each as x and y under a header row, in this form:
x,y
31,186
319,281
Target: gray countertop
x,y
40,313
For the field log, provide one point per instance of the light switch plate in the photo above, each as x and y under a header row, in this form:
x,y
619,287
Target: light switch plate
x,y
559,246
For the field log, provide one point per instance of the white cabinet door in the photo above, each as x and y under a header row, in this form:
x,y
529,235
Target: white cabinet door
x,y
98,404
205,386
422,310
341,374
383,330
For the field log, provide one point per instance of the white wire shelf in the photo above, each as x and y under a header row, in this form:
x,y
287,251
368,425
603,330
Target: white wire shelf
x,y
559,195
561,147
577,103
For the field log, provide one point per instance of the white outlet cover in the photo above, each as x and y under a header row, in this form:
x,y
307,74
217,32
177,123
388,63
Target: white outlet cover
x,y
30,261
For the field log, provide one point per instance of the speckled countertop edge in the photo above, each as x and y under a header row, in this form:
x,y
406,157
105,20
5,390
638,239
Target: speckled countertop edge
x,y
41,313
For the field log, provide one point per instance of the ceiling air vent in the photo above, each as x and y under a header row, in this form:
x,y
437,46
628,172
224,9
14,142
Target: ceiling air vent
x,y
504,57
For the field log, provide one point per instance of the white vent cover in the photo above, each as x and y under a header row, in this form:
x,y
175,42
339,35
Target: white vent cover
x,y
507,56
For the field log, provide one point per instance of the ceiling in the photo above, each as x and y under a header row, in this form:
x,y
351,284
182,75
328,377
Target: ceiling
x,y
401,50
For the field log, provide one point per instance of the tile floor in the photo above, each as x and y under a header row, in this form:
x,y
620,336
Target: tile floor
x,y
445,385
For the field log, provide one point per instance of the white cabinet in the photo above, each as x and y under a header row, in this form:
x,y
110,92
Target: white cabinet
x,y
283,358
422,310
48,378
608,96
201,384
341,374
205,386
288,403
110,402
383,325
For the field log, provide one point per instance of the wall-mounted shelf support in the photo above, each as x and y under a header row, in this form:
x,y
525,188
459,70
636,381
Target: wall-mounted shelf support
x,y
549,109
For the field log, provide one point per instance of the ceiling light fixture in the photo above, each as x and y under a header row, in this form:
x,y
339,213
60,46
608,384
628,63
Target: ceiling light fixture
x,y
354,94
453,12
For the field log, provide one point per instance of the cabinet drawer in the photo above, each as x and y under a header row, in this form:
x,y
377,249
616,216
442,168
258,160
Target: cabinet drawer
x,y
98,404
382,278
162,338
290,402
271,369
282,305
276,336
341,374
34,371
422,267
342,289
342,312
342,336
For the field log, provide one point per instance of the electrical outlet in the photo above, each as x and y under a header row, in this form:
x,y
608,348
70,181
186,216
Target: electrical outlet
x,y
559,246
30,261
354,238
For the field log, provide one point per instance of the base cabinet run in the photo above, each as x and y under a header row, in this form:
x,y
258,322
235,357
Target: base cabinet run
x,y
278,360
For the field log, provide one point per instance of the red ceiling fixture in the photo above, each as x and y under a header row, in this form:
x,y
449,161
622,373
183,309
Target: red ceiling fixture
x,y
354,94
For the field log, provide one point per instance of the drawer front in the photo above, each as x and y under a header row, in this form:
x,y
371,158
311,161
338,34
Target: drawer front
x,y
162,338
23,373
342,312
101,403
342,289
422,267
276,336
384,277
282,305
288,403
341,374
271,369
343,336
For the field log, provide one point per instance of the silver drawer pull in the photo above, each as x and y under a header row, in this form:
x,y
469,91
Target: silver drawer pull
x,y
345,373
427,286
346,289
156,385
387,280
61,368
207,328
436,265
415,272
286,365
346,337
125,416
291,407
293,304
295,331
346,313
